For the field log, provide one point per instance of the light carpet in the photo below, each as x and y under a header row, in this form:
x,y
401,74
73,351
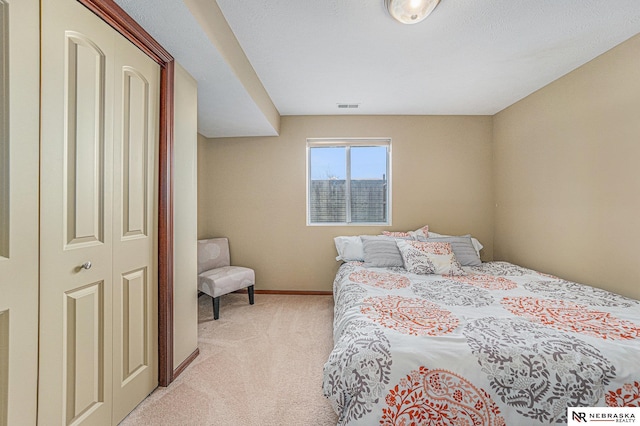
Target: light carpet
x,y
258,365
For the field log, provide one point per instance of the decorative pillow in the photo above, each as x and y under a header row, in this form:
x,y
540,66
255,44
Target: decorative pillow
x,y
396,234
429,258
414,235
462,247
349,248
381,252
476,243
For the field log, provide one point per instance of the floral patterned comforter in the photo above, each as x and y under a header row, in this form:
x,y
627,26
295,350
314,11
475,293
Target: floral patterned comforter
x,y
501,345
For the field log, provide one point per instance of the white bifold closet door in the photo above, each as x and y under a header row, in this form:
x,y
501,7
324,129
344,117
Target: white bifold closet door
x,y
19,153
98,177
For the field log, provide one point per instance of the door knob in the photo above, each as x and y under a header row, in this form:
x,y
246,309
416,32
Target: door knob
x,y
86,265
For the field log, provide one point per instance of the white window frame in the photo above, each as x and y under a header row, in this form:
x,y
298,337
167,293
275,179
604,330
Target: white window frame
x,y
348,143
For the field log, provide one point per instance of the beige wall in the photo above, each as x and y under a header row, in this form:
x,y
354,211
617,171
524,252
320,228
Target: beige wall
x,y
567,177
185,290
253,190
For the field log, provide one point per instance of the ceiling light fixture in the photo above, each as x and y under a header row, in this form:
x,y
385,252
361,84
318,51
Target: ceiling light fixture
x,y
410,11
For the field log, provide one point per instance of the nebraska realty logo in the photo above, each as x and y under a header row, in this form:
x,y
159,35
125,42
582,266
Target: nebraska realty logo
x,y
586,415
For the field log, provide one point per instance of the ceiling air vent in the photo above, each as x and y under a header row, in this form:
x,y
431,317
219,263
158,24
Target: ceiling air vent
x,y
348,106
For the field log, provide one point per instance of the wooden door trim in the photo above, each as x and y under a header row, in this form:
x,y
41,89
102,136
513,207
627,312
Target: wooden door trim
x,y
118,19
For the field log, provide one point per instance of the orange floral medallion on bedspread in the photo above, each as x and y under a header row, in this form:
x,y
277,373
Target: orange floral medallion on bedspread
x,y
405,315
568,316
439,397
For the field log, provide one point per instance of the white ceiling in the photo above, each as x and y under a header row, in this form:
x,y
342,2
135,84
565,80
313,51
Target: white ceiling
x,y
469,57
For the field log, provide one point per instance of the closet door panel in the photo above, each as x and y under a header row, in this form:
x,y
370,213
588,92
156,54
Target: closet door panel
x,y
19,155
84,350
136,104
135,317
76,246
84,162
135,300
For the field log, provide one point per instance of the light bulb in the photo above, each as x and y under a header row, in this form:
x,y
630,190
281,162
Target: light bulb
x,y
410,11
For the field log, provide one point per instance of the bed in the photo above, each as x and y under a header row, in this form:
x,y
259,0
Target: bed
x,y
492,344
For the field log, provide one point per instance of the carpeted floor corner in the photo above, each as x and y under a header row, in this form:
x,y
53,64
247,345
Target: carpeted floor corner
x,y
258,365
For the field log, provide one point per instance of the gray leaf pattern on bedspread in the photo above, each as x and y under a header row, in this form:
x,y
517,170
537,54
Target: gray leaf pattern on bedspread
x,y
538,379
347,297
502,269
575,292
357,372
452,293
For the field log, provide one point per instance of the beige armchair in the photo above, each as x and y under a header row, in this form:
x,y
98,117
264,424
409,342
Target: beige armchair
x,y
216,276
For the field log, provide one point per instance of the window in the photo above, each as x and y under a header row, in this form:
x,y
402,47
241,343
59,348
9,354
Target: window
x,y
348,181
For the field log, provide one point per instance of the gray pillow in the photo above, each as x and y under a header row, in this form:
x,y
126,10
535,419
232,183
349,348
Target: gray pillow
x,y
462,248
381,252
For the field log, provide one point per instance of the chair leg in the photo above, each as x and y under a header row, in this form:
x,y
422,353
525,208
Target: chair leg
x,y
216,307
250,290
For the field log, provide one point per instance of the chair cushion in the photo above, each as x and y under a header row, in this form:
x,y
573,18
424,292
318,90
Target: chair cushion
x,y
213,253
219,281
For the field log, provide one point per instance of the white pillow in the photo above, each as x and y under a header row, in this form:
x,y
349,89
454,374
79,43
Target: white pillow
x,y
476,243
349,248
